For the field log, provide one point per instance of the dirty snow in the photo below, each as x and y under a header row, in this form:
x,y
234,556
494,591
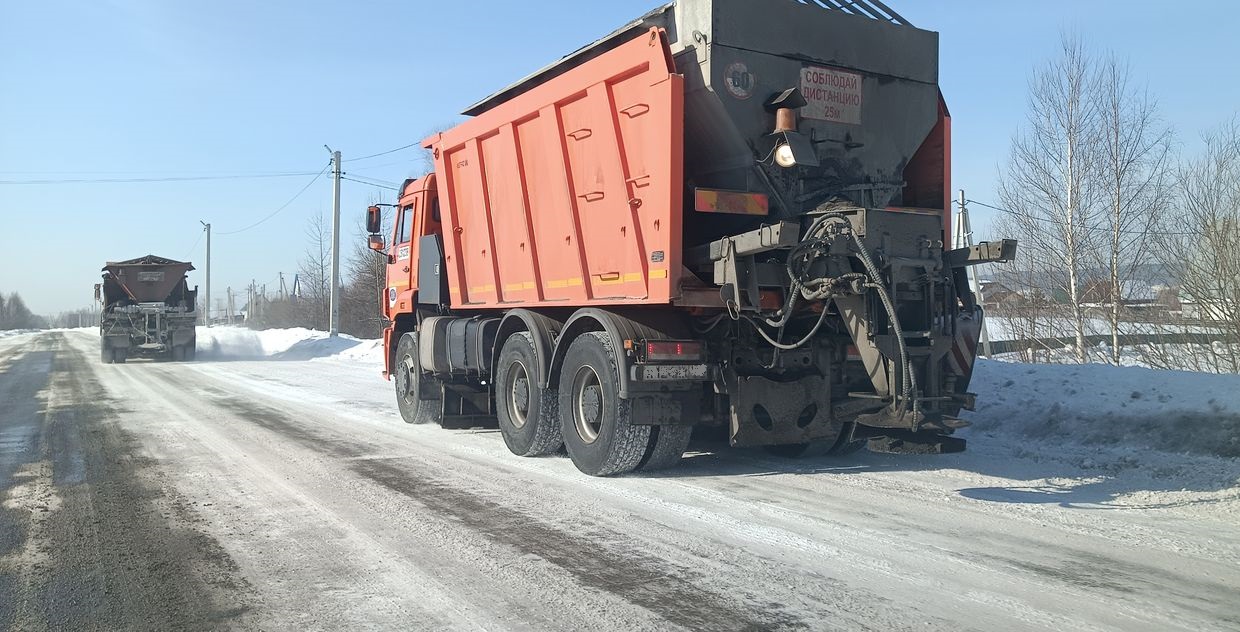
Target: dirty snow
x,y
334,514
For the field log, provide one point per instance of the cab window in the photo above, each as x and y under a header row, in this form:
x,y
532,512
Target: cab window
x,y
405,228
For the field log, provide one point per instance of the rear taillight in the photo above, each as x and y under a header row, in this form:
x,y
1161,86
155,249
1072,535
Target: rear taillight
x,y
671,351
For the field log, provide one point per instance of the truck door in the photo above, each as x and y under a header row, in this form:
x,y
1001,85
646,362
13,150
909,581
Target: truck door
x,y
403,269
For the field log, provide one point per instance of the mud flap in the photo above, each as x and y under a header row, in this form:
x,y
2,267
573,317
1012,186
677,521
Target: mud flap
x,y
765,412
116,342
181,337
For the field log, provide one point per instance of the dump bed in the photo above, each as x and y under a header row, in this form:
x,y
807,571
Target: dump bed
x,y
572,191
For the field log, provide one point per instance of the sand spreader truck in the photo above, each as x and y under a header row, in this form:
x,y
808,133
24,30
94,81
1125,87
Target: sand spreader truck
x,y
726,213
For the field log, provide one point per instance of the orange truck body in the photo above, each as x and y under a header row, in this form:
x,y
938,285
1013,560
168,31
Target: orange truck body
x,y
517,234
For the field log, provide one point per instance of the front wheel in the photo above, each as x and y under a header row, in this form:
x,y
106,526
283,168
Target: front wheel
x,y
526,413
408,379
597,425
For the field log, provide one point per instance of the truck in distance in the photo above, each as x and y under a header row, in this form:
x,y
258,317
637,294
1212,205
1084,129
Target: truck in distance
x,y
726,213
148,310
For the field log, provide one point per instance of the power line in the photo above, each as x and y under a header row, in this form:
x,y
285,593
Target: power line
x,y
191,248
373,184
282,206
166,179
384,153
370,178
1047,220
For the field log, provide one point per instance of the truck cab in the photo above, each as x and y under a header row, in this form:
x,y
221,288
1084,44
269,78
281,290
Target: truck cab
x,y
414,225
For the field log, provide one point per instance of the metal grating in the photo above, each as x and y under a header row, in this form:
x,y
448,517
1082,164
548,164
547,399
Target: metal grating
x,y
873,9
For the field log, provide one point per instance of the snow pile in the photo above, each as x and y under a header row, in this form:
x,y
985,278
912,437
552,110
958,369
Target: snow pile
x,y
366,352
5,333
1094,404
239,343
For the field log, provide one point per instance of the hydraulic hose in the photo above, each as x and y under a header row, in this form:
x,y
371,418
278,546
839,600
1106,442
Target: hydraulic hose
x,y
909,382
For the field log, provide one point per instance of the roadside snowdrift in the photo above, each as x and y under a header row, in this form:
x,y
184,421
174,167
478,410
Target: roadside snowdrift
x,y
239,343
1095,404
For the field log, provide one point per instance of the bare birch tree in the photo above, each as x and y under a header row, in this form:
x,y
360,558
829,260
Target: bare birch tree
x,y
1200,245
315,272
1133,178
1049,182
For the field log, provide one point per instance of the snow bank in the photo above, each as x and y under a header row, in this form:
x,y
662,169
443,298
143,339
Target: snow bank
x,y
5,333
1094,404
239,343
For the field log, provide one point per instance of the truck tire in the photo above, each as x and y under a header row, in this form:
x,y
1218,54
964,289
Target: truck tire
x,y
666,447
597,425
408,377
526,413
120,354
178,354
105,354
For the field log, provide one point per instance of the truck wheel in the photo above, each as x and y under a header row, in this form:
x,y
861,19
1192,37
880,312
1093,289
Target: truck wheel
x,y
597,424
666,447
105,354
178,354
408,377
526,413
191,350
120,354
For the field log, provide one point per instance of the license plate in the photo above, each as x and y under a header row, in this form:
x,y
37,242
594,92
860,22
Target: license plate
x,y
671,372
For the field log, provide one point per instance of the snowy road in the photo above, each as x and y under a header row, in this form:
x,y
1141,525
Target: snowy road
x,y
289,495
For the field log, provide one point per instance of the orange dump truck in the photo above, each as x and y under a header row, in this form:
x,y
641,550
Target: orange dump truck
x,y
726,213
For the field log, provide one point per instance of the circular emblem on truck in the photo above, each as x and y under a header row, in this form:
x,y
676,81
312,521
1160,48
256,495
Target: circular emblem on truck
x,y
391,296
739,81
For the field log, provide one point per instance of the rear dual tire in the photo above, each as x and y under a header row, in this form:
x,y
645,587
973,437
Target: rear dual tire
x,y
596,424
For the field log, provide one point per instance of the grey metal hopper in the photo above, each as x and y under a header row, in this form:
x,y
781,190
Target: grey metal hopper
x,y
148,279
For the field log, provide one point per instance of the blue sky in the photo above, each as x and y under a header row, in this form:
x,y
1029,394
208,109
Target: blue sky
x,y
153,89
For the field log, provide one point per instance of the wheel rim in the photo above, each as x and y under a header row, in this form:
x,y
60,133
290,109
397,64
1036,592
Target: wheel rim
x,y
588,404
519,394
405,383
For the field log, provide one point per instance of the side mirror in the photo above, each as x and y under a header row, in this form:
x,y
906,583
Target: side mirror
x,y
98,292
374,217
375,243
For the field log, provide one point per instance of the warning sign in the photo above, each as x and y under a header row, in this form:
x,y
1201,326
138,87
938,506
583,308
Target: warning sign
x,y
832,95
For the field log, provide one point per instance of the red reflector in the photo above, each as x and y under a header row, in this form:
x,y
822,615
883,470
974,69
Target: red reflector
x,y
673,350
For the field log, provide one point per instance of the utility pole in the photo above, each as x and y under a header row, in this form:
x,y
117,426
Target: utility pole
x,y
207,227
283,289
333,319
962,237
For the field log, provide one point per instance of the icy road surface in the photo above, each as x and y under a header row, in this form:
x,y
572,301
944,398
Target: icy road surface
x,y
287,495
